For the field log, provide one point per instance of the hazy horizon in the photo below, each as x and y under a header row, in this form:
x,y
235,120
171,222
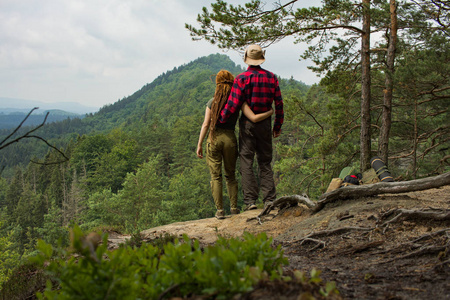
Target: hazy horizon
x,y
96,53
11,105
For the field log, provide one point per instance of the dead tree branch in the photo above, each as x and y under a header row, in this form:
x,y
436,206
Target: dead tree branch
x,y
5,143
2,145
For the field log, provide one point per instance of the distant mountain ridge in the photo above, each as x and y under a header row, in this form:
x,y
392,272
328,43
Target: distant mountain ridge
x,y
13,105
14,117
13,111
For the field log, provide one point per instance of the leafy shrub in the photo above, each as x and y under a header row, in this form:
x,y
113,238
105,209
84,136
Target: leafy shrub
x,y
181,268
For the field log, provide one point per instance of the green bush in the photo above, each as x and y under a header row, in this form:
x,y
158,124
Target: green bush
x,y
181,268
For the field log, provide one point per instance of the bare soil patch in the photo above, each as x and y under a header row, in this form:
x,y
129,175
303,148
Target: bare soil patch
x,y
364,245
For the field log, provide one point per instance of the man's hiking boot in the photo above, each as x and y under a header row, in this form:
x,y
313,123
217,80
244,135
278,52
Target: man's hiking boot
x,y
234,211
250,207
220,214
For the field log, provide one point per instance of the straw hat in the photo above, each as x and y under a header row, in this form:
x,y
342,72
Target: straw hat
x,y
254,55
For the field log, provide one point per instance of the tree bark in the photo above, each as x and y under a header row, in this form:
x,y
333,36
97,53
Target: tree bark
x,y
383,143
365,140
358,191
416,139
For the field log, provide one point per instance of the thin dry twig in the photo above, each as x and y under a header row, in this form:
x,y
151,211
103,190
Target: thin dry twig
x,y
5,143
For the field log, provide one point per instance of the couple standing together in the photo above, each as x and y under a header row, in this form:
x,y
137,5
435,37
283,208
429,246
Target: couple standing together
x,y
253,92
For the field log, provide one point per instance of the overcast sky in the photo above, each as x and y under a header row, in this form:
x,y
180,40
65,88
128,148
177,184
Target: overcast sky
x,y
96,52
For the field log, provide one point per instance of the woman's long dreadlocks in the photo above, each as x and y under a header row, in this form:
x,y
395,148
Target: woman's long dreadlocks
x,y
224,82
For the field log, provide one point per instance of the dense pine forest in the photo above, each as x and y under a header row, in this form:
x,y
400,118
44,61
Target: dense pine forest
x,y
132,165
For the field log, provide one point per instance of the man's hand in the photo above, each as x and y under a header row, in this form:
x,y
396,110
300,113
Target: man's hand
x,y
276,134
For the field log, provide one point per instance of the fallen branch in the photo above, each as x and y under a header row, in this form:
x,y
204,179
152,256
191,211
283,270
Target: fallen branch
x,y
358,191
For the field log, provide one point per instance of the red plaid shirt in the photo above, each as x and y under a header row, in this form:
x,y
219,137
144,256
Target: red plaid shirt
x,y
259,88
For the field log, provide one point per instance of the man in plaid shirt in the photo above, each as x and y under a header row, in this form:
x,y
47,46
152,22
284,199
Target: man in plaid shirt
x,y
259,88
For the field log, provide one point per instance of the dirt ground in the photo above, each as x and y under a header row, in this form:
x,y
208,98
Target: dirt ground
x,y
369,252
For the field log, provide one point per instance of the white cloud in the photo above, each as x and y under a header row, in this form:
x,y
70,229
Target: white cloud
x,y
96,52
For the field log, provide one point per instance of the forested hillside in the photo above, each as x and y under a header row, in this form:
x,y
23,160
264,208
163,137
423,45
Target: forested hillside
x,y
132,165
128,167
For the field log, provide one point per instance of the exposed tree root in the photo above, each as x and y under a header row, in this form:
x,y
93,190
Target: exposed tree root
x,y
431,235
284,203
414,244
363,247
442,264
318,243
260,218
422,214
313,235
421,251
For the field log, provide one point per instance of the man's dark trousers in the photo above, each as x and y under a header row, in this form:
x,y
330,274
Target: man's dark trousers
x,y
256,138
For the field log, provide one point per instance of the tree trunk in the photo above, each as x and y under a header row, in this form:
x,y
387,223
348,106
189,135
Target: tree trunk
x,y
383,144
360,191
416,139
365,140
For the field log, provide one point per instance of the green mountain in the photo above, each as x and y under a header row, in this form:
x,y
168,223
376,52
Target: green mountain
x,y
180,92
175,96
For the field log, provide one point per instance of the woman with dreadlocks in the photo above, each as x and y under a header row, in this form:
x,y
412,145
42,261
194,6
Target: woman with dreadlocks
x,y
221,144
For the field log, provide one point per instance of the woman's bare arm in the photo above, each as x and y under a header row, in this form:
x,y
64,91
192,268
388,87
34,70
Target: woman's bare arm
x,y
203,131
255,117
